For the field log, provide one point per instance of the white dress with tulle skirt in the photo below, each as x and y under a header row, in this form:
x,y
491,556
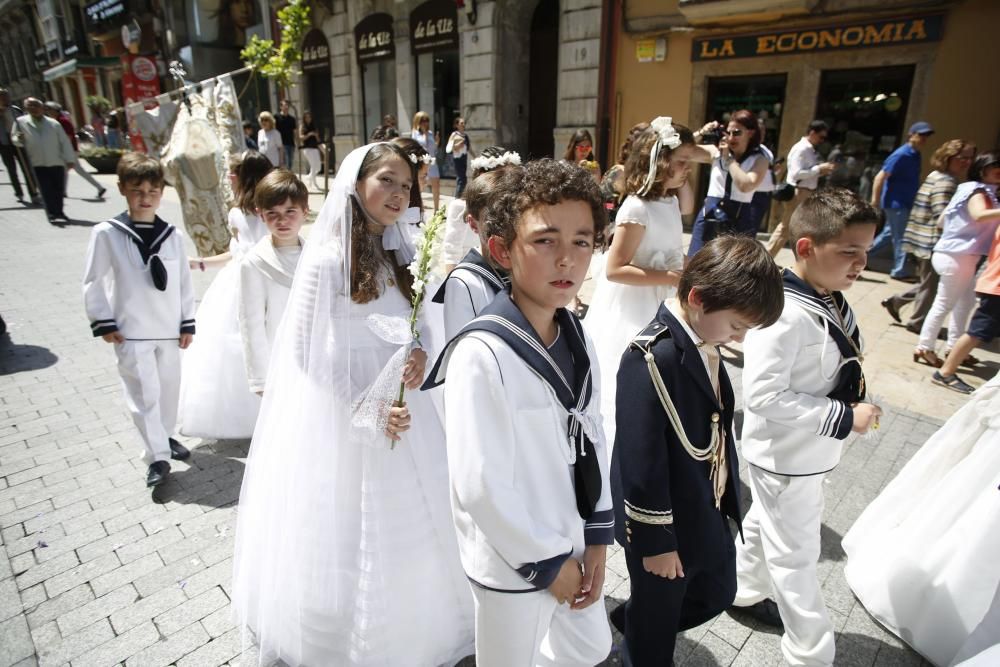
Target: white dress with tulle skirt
x,y
618,312
924,557
216,401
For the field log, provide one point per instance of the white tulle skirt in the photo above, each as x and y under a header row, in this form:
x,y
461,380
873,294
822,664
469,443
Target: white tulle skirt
x,y
372,575
924,557
216,401
616,314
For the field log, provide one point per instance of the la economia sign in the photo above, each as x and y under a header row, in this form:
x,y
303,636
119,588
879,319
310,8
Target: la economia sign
x,y
891,32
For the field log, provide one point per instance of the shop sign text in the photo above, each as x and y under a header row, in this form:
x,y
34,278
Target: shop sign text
x,y
894,32
373,38
434,26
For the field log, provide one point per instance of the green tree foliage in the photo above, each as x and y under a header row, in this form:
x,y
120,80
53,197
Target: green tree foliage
x,y
280,62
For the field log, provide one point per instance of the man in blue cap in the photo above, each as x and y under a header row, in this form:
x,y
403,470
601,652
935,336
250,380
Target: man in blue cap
x,y
894,189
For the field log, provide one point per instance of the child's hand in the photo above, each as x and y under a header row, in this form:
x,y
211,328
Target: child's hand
x,y
664,565
399,421
413,372
865,416
113,337
594,557
185,340
567,583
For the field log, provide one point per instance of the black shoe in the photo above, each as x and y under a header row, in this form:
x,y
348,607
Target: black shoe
x,y
890,306
157,473
100,193
617,617
765,611
952,382
178,452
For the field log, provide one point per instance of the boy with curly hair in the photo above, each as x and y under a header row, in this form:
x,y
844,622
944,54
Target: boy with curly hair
x,y
529,474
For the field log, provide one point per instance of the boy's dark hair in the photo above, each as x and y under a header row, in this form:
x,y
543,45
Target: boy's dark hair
x,y
479,193
981,163
828,212
543,182
137,168
247,125
277,187
735,272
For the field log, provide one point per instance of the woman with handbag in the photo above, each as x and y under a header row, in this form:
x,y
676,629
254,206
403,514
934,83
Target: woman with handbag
x,y
738,169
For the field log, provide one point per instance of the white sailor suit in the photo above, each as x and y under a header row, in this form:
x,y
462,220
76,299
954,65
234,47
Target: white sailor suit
x,y
529,480
137,282
266,276
467,290
801,376
665,498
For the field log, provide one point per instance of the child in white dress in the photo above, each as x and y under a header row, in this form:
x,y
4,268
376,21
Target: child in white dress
x,y
216,401
266,274
345,549
644,263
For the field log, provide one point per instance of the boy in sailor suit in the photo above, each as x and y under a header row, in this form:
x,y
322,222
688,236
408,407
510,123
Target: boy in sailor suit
x,y
476,280
530,493
803,392
138,295
674,470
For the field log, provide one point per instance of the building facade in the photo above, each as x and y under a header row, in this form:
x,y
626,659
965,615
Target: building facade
x,y
523,73
21,53
869,70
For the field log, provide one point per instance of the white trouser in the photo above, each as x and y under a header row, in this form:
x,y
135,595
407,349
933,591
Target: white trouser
x,y
779,557
151,377
312,156
956,294
532,630
86,174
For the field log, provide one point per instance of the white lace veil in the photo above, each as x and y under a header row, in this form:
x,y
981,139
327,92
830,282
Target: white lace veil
x,y
289,565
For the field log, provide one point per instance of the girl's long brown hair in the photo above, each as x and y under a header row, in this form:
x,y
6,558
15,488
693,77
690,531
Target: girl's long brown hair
x,y
368,259
251,169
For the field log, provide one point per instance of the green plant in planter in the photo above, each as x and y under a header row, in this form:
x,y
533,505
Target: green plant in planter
x,y
101,152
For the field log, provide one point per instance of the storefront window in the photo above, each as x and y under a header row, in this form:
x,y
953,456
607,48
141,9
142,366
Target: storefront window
x,y
438,83
379,93
866,110
764,95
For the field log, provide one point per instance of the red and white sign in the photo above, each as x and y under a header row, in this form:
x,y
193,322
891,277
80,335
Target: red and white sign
x,y
140,81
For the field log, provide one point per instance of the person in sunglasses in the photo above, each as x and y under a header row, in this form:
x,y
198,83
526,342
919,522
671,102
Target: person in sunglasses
x,y
738,169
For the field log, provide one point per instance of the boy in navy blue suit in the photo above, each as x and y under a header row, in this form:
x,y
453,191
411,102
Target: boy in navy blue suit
x,y
674,470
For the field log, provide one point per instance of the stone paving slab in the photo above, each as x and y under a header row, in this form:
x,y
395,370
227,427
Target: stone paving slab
x,y
97,570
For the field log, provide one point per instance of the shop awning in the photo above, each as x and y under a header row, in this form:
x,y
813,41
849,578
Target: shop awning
x,y
70,66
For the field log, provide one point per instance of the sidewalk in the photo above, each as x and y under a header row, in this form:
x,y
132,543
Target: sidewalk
x,y
97,570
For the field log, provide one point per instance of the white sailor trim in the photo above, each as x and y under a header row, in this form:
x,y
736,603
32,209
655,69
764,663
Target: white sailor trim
x,y
530,340
651,517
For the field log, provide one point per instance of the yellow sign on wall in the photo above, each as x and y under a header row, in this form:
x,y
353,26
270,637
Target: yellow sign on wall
x,y
645,50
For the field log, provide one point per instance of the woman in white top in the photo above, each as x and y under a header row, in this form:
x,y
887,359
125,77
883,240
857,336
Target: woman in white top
x,y
459,148
422,133
646,257
739,168
269,139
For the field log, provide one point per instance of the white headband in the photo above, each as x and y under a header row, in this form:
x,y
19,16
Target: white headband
x,y
666,136
425,158
488,163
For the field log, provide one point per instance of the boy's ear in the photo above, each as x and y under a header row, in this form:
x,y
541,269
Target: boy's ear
x,y
694,298
804,247
500,252
121,188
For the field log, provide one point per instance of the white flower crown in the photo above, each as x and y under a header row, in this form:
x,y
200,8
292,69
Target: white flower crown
x,y
488,163
425,158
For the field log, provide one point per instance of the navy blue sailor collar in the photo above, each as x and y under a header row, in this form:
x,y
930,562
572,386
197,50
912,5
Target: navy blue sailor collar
x,y
477,264
505,320
161,232
844,331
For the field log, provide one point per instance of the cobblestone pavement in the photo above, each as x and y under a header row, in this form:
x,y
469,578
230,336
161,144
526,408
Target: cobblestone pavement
x,y
96,570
